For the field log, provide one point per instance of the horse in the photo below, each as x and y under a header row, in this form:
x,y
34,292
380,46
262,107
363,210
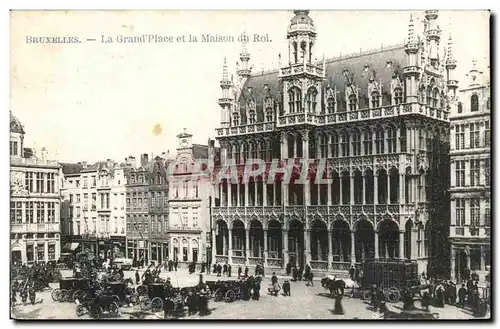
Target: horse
x,y
338,286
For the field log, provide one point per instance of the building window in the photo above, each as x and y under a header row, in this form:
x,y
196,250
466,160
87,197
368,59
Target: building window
x,y
487,213
30,218
251,116
367,142
460,173
435,98
311,100
474,135
352,102
51,210
236,119
16,212
344,144
29,182
356,143
487,173
323,146
85,182
460,212
375,99
474,103
460,107
51,183
459,137
13,148
398,96
391,140
474,172
428,96
335,145
269,115
402,138
39,182
94,201
30,253
40,212
487,137
474,212
78,212
379,141
330,105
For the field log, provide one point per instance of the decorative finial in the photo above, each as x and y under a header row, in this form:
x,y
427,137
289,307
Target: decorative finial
x,y
225,73
411,30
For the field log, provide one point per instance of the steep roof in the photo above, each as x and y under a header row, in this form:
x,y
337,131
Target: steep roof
x,y
361,67
71,168
15,125
200,151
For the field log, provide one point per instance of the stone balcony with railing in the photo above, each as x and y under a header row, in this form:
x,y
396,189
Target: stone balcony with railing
x,y
33,162
294,69
38,227
470,232
321,119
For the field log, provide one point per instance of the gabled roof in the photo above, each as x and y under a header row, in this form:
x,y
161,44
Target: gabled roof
x,y
71,168
15,125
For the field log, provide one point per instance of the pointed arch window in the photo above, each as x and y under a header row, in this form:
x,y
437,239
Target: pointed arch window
x,y
375,99
236,119
353,102
428,96
311,102
435,98
335,145
398,96
254,150
421,95
252,117
460,107
356,143
323,145
294,100
474,103
330,105
344,144
246,152
367,142
379,141
269,115
391,140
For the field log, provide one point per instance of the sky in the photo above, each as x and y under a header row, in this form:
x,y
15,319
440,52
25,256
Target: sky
x,y
94,101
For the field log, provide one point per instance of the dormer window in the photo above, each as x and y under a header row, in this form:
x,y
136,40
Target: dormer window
x,y
251,116
375,99
398,96
236,119
474,103
269,115
352,102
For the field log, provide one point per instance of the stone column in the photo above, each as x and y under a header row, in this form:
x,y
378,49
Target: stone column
x,y
284,146
46,251
238,201
46,212
264,192
340,189
307,240
284,234
414,245
266,254
329,196
401,244
330,250
375,188
230,247
402,179
247,245
45,185
307,193
305,144
352,190
224,244
364,189
376,245
214,246
452,264
230,194
353,245
388,201
246,195
483,259
242,156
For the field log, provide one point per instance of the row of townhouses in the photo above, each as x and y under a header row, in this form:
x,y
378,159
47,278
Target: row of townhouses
x,y
407,154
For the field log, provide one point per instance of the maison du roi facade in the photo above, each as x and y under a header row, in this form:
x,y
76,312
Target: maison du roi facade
x,y
34,202
380,119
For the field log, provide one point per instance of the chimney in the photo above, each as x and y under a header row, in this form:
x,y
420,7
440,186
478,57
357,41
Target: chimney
x,y
130,161
144,160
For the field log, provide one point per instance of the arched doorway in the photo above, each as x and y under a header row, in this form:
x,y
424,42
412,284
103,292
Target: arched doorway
x,y
221,238
296,243
408,238
274,241
319,241
364,240
461,265
238,238
256,239
341,244
388,241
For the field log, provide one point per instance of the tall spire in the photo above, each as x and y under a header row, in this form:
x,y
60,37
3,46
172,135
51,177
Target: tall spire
x,y
411,31
225,73
244,70
450,56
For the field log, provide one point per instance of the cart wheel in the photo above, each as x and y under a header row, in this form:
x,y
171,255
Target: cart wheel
x,y
77,296
81,310
55,294
367,294
69,296
61,295
113,309
142,290
218,295
230,296
156,304
393,295
145,304
115,299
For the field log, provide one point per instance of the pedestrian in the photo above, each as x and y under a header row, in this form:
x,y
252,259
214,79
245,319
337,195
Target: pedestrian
x,y
214,270
462,294
219,270
13,292
176,263
229,270
295,274
256,289
224,269
356,275
301,272
352,272
425,301
246,272
288,268
338,309
239,272
32,294
274,283
137,277
287,289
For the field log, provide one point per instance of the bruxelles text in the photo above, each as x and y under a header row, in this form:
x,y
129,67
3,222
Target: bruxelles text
x,y
291,171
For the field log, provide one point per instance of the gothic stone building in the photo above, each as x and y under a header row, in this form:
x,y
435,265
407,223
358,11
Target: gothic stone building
x,y
470,230
380,120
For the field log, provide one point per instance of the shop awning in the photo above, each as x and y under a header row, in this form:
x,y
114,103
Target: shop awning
x,y
71,246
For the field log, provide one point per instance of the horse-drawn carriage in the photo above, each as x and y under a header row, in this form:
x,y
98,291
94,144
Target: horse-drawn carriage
x,y
71,289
